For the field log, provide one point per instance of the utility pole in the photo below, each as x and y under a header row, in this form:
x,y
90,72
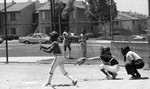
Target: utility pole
x,y
6,31
59,21
51,10
149,8
111,21
148,21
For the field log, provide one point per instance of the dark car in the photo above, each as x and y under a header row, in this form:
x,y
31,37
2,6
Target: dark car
x,y
35,38
73,37
1,40
60,39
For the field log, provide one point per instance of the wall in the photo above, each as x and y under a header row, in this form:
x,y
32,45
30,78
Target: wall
x,y
26,17
44,22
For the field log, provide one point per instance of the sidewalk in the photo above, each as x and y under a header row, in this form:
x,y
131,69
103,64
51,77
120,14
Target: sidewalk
x,y
24,59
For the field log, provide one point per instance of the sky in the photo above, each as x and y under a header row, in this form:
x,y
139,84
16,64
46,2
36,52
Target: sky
x,y
139,6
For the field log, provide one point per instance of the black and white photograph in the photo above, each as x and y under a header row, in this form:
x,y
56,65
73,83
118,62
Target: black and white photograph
x,y
74,44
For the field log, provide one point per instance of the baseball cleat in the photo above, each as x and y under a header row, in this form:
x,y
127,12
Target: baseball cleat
x,y
47,84
74,82
114,75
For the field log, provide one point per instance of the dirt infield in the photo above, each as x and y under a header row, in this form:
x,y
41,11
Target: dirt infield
x,y
34,76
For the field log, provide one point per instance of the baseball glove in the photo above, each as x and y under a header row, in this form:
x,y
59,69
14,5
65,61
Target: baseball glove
x,y
81,60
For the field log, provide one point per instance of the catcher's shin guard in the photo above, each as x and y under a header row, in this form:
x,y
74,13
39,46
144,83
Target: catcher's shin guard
x,y
114,74
104,72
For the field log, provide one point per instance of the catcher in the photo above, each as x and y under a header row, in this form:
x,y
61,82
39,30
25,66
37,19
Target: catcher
x,y
110,65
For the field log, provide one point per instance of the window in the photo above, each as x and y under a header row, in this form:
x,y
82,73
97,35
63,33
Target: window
x,y
45,15
12,31
134,22
46,30
117,22
13,16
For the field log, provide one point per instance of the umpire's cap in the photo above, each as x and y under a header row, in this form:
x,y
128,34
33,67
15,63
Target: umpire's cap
x,y
125,50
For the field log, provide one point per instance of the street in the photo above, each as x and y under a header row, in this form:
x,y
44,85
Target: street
x,y
34,76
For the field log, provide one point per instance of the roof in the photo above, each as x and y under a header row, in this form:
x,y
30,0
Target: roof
x,y
38,5
2,5
123,16
78,4
136,15
18,6
64,1
45,7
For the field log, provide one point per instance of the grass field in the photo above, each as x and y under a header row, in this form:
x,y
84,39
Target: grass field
x,y
23,50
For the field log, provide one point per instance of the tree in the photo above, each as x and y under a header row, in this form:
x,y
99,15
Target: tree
x,y
99,10
68,9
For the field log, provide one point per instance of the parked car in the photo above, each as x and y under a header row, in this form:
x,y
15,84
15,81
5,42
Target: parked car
x,y
35,38
60,39
89,35
138,37
73,37
1,40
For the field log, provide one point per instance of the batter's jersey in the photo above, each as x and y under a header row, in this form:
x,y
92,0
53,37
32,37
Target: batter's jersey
x,y
55,48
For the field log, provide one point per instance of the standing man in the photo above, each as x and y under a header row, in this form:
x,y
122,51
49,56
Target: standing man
x,y
83,39
66,42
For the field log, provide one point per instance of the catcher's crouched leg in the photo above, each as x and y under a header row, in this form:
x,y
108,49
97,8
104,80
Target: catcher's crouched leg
x,y
81,60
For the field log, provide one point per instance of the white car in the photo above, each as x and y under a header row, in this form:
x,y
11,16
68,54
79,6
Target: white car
x,y
1,40
138,37
35,38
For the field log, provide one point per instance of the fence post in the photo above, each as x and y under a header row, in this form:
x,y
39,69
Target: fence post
x,y
149,63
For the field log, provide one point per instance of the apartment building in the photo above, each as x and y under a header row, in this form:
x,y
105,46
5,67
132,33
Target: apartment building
x,y
19,18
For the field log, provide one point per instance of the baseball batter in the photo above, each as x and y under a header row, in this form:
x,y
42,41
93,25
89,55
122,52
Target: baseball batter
x,y
58,59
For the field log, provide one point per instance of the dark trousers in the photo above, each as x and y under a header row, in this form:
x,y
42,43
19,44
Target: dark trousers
x,y
131,68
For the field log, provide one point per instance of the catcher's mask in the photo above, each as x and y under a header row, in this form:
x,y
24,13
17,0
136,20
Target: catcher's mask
x,y
125,50
54,36
104,50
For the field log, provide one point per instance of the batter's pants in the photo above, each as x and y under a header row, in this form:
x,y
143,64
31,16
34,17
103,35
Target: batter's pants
x,y
58,61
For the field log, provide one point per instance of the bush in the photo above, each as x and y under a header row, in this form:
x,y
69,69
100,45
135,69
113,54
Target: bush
x,y
10,37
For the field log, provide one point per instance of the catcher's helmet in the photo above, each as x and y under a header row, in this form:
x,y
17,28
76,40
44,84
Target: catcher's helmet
x,y
125,50
104,50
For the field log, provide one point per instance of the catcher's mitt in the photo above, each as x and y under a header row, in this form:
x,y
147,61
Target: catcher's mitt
x,y
81,60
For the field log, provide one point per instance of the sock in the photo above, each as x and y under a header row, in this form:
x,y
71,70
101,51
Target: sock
x,y
69,76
